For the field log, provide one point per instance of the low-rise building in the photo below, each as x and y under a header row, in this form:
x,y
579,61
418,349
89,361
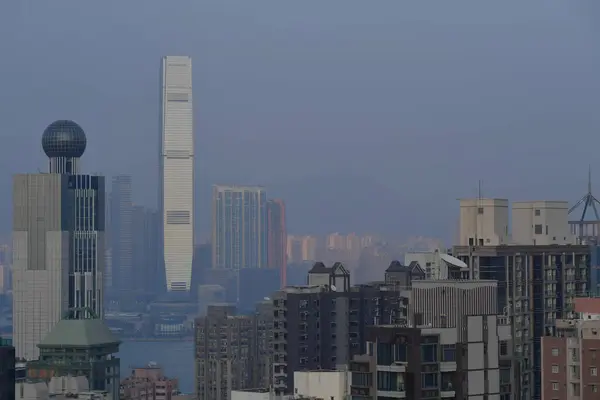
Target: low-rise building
x,y
148,383
59,388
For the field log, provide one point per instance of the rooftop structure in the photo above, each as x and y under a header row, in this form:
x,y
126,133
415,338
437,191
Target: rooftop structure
x,y
80,347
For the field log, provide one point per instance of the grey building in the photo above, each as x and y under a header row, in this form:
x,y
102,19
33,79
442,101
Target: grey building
x,y
223,352
536,286
323,325
147,265
58,240
121,229
431,363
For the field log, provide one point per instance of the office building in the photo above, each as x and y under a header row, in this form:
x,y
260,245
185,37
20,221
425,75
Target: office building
x,y
58,240
121,228
277,237
239,228
150,278
483,222
570,359
176,160
430,363
80,347
7,370
541,223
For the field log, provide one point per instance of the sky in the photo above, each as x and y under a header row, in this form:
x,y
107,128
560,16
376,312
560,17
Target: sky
x,y
409,103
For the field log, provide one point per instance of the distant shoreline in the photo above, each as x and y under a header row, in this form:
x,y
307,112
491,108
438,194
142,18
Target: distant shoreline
x,y
179,339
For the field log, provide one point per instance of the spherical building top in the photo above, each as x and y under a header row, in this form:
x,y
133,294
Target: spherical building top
x,y
64,138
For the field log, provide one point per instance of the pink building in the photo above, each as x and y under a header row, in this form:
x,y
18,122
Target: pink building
x,y
148,383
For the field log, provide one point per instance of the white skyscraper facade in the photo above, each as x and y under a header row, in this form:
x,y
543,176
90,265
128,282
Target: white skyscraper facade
x,y
176,199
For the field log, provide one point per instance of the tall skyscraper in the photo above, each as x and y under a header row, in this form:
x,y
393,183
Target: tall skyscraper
x,y
149,280
277,237
121,227
58,240
239,233
176,198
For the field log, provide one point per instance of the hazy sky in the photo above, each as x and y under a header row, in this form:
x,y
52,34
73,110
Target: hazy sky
x,y
426,97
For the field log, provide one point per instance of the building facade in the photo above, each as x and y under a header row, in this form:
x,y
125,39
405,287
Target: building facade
x,y
223,352
483,222
570,359
176,160
431,363
148,383
277,237
239,228
541,223
58,240
121,220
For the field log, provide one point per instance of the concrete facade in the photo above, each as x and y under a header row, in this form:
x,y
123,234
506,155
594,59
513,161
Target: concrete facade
x,y
330,385
41,245
483,222
541,223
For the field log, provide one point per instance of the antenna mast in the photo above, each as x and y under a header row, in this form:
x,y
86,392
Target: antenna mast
x,y
585,230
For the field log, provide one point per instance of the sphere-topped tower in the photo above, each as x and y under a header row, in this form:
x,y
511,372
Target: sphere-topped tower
x,y
64,143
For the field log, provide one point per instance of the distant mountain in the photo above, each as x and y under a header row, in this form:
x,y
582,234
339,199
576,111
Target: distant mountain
x,y
326,204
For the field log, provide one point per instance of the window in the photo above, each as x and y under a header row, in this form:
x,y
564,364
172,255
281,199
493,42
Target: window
x,y
503,348
555,369
594,371
480,210
538,213
538,229
429,353
594,388
448,352
554,385
555,352
429,380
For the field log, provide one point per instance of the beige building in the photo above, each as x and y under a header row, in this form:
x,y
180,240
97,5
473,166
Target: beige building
x,y
541,223
483,222
301,248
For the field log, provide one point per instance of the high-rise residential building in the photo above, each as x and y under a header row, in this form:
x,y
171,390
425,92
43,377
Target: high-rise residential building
x,y
239,228
176,160
301,248
58,240
224,352
121,227
277,237
322,325
412,362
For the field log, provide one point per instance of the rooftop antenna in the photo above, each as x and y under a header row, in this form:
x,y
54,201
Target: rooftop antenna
x,y
583,228
588,200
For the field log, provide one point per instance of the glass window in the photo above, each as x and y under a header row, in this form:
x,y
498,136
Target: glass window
x,y
400,352
448,352
429,353
429,380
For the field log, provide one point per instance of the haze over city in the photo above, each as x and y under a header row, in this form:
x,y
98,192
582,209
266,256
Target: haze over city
x,y
396,108
269,200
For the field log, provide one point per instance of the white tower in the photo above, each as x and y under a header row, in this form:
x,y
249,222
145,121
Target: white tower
x,y
176,198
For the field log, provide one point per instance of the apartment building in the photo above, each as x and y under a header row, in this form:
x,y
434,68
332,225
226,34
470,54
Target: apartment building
x,y
570,359
431,363
148,383
322,325
223,352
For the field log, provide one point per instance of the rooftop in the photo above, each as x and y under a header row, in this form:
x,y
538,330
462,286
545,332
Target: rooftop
x,y
79,333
